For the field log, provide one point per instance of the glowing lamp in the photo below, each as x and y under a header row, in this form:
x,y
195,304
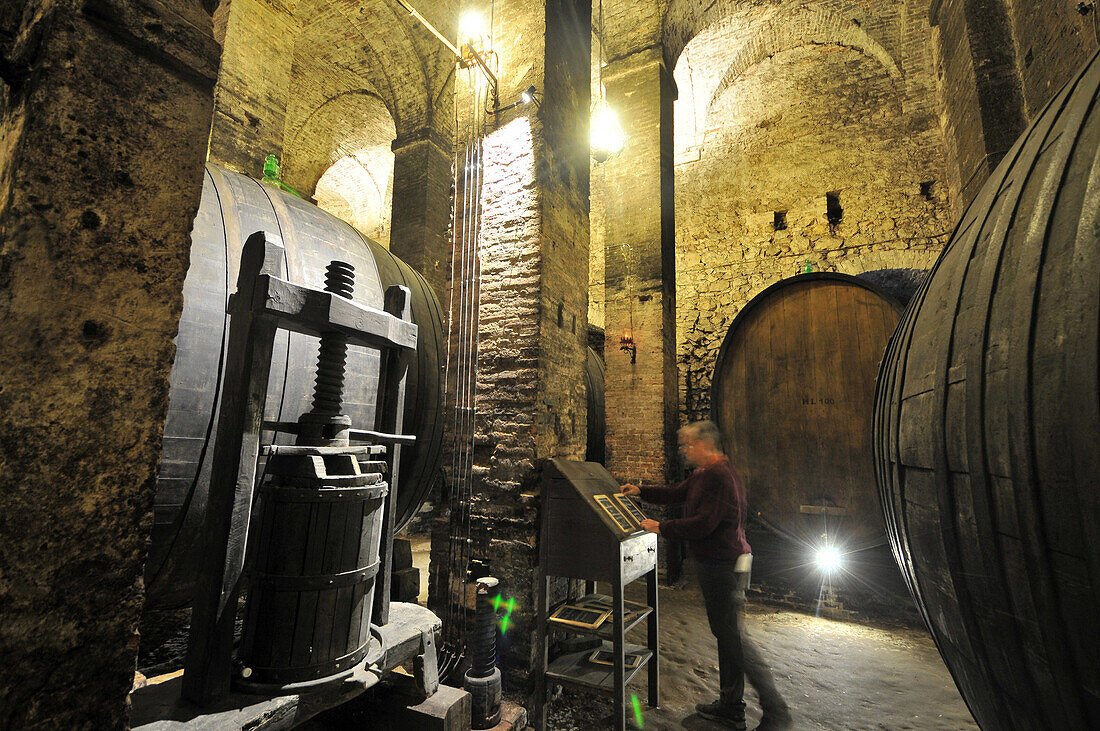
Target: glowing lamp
x,y
607,136
828,559
471,27
626,342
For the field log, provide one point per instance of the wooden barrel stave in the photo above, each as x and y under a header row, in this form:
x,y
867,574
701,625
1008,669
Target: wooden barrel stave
x,y
310,595
799,359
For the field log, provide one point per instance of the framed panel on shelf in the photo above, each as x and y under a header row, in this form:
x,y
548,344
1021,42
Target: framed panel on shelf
x,y
578,616
604,656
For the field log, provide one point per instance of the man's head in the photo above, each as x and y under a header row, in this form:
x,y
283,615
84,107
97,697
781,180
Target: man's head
x,y
700,443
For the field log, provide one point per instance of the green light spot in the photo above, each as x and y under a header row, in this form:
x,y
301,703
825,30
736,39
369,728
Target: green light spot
x,y
506,620
273,173
637,709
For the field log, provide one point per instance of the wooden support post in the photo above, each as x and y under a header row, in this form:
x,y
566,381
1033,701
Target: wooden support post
x,y
541,634
390,410
208,665
651,629
619,614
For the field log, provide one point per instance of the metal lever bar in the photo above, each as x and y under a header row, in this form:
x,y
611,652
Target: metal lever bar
x,y
366,435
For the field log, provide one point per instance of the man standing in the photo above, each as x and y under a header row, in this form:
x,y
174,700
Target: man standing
x,y
713,527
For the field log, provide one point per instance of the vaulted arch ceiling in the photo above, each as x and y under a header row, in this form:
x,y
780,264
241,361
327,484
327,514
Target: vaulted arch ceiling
x,y
871,27
349,123
808,26
370,45
731,45
364,73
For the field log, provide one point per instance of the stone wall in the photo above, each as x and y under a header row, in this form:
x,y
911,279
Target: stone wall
x,y
1053,40
105,111
753,207
772,98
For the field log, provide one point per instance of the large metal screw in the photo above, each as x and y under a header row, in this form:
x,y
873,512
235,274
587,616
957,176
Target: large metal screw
x,y
328,389
484,643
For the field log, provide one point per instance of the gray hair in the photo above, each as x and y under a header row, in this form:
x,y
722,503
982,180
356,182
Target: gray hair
x,y
706,431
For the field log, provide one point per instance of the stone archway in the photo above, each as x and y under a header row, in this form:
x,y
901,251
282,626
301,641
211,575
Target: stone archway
x,y
796,142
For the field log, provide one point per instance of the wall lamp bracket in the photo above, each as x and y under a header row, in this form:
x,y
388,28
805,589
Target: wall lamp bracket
x,y
530,95
455,51
626,342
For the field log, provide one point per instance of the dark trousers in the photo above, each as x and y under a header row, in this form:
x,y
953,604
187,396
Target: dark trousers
x,y
724,596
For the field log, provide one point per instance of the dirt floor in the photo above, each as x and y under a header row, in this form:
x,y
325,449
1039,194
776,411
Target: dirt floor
x,y
834,674
851,674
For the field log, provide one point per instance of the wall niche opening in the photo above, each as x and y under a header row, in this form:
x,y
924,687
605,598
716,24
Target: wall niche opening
x,y
779,221
833,210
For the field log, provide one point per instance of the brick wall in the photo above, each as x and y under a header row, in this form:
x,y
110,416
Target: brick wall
x,y
422,194
1053,40
253,83
998,63
639,279
807,122
532,302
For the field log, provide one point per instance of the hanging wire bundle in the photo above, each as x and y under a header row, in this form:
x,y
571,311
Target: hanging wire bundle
x,y
462,356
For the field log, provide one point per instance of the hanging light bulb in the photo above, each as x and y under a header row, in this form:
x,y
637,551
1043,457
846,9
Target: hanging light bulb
x,y
607,136
471,28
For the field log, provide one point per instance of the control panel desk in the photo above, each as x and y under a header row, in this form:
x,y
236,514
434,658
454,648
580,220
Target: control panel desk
x,y
591,532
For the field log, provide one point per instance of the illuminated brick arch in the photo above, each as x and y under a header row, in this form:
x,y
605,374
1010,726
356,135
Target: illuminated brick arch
x,y
783,25
806,27
349,123
359,80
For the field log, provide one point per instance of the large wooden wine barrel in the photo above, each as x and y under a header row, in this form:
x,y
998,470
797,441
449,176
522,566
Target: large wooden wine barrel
x,y
792,392
232,207
987,431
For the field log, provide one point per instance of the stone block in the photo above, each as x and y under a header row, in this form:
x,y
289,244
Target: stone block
x,y
405,585
402,553
394,706
103,130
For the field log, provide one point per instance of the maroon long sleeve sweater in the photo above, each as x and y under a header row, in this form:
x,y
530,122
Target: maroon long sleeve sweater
x,y
714,501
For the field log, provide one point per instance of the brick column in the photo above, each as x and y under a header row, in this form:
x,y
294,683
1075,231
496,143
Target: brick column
x,y
533,305
640,276
251,96
105,111
422,181
983,93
